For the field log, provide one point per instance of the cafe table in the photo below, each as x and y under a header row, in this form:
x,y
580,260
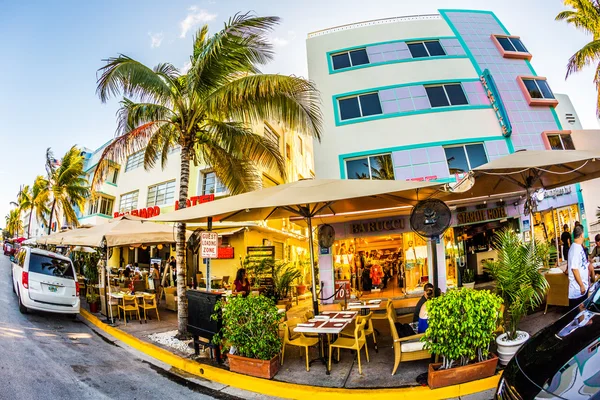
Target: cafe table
x,y
364,306
138,295
327,323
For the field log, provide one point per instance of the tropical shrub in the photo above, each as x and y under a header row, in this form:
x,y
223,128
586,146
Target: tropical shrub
x,y
251,325
461,326
518,275
468,275
284,274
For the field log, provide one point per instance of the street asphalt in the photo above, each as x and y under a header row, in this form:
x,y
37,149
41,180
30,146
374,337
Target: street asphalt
x,y
51,356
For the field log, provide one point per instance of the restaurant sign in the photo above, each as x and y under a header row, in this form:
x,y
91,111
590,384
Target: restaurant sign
x,y
492,93
377,226
470,217
147,212
195,200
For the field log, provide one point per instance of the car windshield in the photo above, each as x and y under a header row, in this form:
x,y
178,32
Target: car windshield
x,y
47,265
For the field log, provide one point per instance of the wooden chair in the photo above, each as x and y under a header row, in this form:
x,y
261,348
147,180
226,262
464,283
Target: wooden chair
x,y
299,341
408,348
149,303
356,343
130,304
558,293
369,330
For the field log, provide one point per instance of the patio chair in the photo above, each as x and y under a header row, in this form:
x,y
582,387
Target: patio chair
x,y
300,341
149,303
356,343
408,348
382,316
130,304
369,330
170,298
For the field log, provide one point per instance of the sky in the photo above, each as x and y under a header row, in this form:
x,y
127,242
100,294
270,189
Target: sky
x,y
51,52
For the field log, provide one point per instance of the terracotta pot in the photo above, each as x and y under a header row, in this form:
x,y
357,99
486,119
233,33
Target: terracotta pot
x,y
253,367
94,307
437,378
301,289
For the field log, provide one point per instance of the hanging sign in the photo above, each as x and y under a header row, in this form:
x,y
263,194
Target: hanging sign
x,y
209,242
492,93
195,200
344,291
470,217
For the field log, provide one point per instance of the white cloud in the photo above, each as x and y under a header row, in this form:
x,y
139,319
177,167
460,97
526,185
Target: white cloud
x,y
195,17
280,42
186,67
156,39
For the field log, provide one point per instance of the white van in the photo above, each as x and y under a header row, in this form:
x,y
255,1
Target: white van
x,y
45,281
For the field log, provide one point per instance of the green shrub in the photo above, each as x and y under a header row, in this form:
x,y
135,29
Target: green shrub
x,y
461,326
251,325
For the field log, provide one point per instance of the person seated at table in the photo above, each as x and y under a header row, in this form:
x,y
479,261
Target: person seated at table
x,y
427,294
127,272
137,276
241,285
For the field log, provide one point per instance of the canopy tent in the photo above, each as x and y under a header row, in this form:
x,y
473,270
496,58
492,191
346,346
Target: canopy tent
x,y
308,199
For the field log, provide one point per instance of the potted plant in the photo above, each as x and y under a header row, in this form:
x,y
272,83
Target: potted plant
x,y
284,274
520,283
251,328
461,329
303,265
92,300
468,278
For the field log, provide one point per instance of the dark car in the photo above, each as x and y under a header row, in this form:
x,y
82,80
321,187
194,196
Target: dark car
x,y
561,361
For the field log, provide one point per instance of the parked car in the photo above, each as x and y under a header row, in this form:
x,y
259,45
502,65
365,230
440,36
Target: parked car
x,y
45,281
10,249
561,361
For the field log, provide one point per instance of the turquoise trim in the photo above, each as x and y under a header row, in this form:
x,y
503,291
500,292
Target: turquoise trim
x,y
96,215
111,184
461,41
339,122
332,71
490,84
509,144
343,157
531,68
581,209
556,119
333,52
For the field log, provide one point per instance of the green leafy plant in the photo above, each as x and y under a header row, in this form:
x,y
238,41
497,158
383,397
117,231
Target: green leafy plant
x,y
258,268
92,298
90,270
518,275
468,275
251,325
461,326
284,274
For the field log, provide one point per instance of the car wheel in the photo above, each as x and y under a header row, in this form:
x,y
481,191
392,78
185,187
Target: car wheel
x,y
22,308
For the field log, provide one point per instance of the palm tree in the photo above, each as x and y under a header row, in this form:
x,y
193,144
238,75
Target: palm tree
x,y
208,112
585,15
39,201
14,225
64,184
24,203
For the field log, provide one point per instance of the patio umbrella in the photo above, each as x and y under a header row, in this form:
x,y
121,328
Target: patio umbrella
x,y
308,199
84,249
529,171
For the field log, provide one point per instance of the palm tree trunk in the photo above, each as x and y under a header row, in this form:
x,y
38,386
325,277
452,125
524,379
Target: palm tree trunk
x,y
182,304
29,226
51,215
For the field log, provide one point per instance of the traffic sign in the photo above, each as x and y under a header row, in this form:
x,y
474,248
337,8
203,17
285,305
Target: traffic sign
x,y
209,242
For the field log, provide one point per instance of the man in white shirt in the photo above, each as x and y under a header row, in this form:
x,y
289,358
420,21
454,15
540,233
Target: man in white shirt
x,y
578,266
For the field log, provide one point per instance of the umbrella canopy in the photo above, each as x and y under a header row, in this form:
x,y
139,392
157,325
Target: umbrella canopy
x,y
84,249
123,231
307,198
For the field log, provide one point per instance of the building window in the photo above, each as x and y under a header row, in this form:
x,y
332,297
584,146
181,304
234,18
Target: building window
x,y
135,160
161,194
113,174
559,140
349,59
511,47
129,201
446,95
360,106
378,167
537,91
430,48
464,158
300,146
211,184
101,205
271,135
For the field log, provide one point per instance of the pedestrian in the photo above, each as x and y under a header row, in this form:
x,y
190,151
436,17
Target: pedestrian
x,y
578,269
173,265
566,240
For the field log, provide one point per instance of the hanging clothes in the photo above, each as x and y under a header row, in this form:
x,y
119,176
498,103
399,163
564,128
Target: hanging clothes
x,y
376,274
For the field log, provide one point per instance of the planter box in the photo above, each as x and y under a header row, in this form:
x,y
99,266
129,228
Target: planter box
x,y
94,307
301,289
447,377
253,367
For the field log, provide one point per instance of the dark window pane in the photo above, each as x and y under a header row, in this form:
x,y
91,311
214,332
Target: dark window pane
x,y
567,142
555,143
476,154
359,57
370,105
457,160
349,108
546,92
437,96
532,88
382,168
358,169
417,50
435,48
50,266
340,61
506,44
518,45
456,94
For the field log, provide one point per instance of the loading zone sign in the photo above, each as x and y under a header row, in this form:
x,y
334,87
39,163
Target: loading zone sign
x,y
210,244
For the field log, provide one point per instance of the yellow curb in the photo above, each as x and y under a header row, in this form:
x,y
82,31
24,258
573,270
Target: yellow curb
x,y
283,389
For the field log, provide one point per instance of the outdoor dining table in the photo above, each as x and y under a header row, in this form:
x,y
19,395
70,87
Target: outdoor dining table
x,y
364,306
119,296
327,323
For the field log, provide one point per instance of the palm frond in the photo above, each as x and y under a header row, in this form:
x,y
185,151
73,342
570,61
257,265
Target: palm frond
x,y
587,55
131,114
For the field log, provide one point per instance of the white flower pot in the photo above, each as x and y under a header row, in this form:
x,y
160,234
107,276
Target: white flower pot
x,y
508,348
470,285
